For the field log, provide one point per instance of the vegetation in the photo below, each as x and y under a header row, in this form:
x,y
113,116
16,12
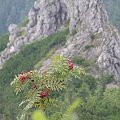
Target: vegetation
x,y
98,102
87,47
3,41
26,59
79,60
92,36
73,32
24,22
41,86
68,115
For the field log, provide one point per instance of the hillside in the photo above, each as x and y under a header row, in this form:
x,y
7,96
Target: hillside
x,y
79,30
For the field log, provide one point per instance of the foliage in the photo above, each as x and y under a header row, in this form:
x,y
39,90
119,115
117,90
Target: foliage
x,y
39,115
74,31
92,36
26,59
49,54
21,33
40,85
81,61
33,52
87,47
25,21
3,41
105,107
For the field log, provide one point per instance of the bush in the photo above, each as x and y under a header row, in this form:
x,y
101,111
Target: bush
x,y
81,61
3,41
92,36
87,47
25,22
73,32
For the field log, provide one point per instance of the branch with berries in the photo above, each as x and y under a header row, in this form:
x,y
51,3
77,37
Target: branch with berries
x,y
40,85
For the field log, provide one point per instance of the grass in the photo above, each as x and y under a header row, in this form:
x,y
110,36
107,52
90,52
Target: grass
x,y
87,64
87,47
40,63
24,22
92,36
3,41
81,61
73,32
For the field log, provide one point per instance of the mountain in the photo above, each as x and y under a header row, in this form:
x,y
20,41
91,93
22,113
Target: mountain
x,y
13,12
94,37
79,30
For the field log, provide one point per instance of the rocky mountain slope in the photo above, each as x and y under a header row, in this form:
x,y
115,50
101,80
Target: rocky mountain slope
x,y
92,35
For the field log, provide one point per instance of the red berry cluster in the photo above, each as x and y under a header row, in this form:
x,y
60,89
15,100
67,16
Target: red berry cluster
x,y
23,76
44,93
70,65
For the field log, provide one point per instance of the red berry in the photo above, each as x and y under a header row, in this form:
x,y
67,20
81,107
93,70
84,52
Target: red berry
x,y
23,78
43,94
70,65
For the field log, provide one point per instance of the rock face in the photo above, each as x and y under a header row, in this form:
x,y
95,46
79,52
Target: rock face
x,y
45,18
94,37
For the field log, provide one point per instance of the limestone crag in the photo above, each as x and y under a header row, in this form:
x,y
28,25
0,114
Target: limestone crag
x,y
45,18
96,38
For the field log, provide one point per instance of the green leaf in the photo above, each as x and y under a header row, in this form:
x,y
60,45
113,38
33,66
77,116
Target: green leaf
x,y
39,115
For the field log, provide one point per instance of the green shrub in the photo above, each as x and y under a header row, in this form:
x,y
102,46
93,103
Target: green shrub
x,y
21,33
81,61
67,23
87,47
24,22
92,36
3,41
73,32
49,54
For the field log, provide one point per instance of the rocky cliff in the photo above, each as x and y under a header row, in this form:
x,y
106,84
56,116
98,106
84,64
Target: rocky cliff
x,y
94,37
